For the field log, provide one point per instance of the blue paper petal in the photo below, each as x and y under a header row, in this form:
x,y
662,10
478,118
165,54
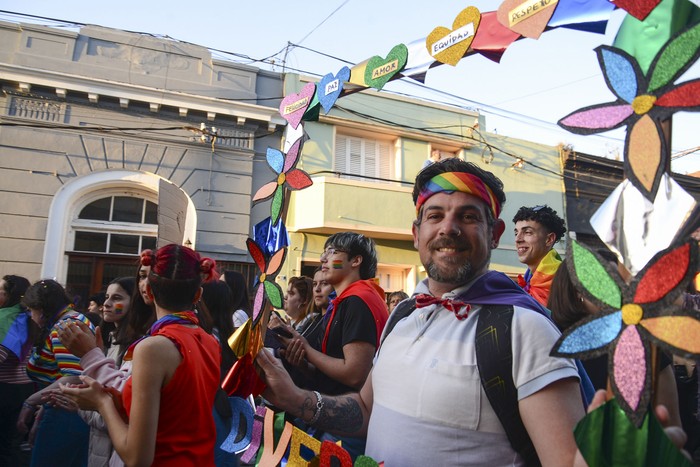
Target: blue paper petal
x,y
620,73
275,158
592,335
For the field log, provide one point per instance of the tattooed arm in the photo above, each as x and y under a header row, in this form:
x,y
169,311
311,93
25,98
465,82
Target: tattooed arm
x,y
345,414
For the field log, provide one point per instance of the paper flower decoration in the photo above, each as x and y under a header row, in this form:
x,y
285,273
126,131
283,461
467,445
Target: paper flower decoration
x,y
631,318
287,176
267,287
643,103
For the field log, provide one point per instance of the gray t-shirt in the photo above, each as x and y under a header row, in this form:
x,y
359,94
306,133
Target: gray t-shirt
x,y
428,404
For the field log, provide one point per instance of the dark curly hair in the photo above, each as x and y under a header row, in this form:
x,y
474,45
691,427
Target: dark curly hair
x,y
454,164
544,215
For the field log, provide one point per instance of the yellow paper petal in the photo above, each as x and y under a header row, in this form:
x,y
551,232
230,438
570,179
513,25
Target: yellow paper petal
x,y
240,339
644,151
682,332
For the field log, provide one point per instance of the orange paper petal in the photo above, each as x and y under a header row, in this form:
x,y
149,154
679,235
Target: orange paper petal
x,y
682,332
644,151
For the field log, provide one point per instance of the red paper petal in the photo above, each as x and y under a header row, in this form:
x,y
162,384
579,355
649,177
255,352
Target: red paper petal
x,y
298,180
665,274
684,95
256,253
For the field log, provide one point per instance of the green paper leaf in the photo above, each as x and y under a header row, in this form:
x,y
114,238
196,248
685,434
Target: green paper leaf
x,y
277,202
606,437
273,293
593,276
674,58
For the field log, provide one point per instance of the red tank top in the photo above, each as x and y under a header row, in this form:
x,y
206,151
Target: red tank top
x,y
186,432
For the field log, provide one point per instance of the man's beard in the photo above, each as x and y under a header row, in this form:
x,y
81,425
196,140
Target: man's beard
x,y
460,273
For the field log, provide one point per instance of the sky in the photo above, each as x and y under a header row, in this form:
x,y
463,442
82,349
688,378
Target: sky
x,y
536,83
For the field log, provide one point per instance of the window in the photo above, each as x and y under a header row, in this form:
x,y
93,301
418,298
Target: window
x,y
122,225
364,157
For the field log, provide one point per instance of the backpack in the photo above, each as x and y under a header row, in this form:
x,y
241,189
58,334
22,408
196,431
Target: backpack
x,y
494,357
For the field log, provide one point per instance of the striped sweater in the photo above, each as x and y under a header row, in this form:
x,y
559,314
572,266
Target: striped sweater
x,y
53,360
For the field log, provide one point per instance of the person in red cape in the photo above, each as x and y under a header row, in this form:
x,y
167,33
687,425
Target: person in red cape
x,y
166,418
353,325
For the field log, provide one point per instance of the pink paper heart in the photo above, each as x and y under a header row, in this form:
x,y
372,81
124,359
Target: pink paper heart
x,y
640,9
293,106
528,18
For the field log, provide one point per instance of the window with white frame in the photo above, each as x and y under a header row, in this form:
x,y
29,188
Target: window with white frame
x,y
364,157
122,224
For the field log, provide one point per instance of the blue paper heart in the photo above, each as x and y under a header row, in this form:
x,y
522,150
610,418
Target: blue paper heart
x,y
329,88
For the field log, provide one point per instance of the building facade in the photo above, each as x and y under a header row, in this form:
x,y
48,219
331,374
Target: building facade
x,y
98,125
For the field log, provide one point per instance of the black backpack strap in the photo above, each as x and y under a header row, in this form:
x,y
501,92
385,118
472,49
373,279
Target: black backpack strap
x,y
494,357
402,310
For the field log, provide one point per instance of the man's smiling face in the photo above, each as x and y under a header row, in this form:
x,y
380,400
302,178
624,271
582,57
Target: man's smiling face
x,y
453,239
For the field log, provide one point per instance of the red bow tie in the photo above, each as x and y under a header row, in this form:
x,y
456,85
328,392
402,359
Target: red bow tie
x,y
423,300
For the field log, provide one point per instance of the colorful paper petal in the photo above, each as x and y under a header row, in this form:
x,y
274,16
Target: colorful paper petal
x,y
276,261
620,72
258,302
594,277
275,159
277,203
290,160
675,58
265,191
492,38
256,253
680,332
629,367
640,9
597,118
663,275
684,96
644,156
298,180
274,294
590,335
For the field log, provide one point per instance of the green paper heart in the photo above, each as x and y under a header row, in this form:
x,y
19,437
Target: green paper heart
x,y
380,70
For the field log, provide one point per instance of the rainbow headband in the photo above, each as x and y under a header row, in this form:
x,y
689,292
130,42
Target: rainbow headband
x,y
459,181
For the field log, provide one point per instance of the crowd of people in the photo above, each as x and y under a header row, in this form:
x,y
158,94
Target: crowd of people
x,y
135,379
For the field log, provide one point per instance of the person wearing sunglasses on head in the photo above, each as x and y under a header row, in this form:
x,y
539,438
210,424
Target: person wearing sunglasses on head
x,y
537,230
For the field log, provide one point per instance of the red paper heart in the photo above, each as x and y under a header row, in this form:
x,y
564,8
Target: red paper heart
x,y
528,18
640,9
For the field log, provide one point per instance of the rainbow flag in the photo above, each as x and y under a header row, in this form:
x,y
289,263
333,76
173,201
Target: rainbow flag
x,y
539,283
14,331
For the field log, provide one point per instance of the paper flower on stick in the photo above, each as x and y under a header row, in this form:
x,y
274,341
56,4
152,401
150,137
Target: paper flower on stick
x,y
267,287
284,165
643,103
631,318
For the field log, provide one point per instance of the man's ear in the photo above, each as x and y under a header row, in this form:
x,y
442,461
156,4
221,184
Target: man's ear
x,y
498,228
356,261
414,230
551,239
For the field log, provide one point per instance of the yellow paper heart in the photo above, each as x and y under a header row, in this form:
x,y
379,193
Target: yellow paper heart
x,y
449,46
